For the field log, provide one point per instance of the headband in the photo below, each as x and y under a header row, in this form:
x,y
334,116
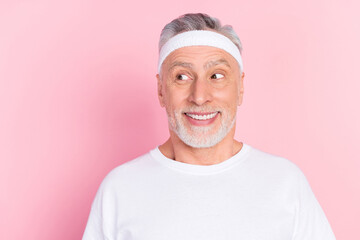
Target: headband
x,y
199,38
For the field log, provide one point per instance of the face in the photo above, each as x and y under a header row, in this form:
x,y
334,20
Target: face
x,y
200,87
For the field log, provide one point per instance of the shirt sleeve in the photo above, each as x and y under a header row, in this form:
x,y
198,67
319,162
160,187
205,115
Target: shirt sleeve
x,y
311,222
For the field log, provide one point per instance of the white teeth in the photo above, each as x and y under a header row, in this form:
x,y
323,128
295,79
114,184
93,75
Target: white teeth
x,y
202,117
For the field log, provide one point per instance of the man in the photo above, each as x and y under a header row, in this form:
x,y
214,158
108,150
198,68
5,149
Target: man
x,y
202,183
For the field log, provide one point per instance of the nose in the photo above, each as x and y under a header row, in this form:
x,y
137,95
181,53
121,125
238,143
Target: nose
x,y
200,92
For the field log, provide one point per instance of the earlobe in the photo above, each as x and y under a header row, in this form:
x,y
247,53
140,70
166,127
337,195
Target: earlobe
x,y
160,95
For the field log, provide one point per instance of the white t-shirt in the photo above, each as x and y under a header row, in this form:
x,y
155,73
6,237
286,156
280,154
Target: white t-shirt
x,y
250,196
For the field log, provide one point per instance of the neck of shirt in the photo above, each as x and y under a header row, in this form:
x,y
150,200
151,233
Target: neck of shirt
x,y
201,169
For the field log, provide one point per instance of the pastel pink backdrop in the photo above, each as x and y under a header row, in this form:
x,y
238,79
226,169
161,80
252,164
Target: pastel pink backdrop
x,y
78,97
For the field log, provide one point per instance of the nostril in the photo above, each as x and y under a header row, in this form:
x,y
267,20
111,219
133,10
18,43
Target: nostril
x,y
200,94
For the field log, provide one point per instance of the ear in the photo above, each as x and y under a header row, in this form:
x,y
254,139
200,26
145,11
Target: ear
x,y
159,89
241,88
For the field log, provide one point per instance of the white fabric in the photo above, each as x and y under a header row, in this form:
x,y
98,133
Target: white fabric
x,y
251,196
199,38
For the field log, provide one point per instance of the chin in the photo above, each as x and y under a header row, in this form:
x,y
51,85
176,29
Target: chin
x,y
203,137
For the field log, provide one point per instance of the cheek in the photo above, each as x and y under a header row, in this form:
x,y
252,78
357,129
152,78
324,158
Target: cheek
x,y
175,98
227,97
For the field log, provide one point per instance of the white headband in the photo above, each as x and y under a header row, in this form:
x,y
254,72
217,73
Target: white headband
x,y
199,38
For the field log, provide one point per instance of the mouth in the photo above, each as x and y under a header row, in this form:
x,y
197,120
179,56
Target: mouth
x,y
201,119
202,116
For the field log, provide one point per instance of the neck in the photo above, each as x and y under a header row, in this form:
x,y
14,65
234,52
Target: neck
x,y
177,150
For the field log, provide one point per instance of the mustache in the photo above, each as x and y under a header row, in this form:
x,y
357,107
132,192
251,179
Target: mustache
x,y
200,109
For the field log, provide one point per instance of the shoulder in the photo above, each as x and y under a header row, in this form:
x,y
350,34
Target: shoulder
x,y
128,172
266,159
276,174
273,165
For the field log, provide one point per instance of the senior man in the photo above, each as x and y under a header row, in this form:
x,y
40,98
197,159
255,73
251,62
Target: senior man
x,y
202,183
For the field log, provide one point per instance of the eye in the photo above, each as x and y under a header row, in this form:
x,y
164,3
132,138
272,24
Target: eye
x,y
182,77
217,76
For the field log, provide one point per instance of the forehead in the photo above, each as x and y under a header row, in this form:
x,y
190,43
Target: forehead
x,y
200,55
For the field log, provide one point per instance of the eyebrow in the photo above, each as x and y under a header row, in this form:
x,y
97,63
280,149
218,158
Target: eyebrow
x,y
182,64
221,61
207,65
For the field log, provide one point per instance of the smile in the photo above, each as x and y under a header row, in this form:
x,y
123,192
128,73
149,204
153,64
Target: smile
x,y
202,116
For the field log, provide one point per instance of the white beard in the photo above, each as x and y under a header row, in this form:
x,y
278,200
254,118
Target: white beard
x,y
201,136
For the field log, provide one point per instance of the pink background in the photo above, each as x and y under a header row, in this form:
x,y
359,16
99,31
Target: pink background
x,y
78,97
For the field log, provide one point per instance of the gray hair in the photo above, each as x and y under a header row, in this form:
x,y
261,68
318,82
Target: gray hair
x,y
197,21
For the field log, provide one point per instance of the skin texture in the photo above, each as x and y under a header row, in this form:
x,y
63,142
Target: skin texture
x,y
200,77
